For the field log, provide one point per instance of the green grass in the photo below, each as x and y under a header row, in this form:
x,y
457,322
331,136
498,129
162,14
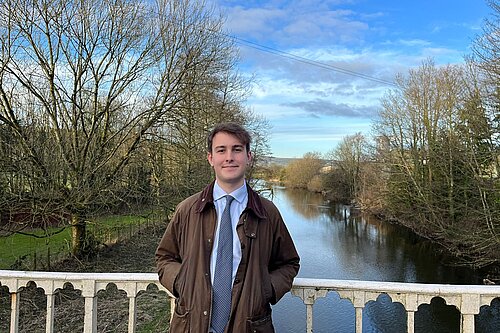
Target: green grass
x,y
21,248
158,311
17,246
118,220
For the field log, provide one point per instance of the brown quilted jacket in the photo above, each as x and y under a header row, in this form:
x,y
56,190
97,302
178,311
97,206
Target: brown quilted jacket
x,y
268,265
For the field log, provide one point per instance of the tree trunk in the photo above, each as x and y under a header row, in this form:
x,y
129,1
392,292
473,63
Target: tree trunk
x,y
78,235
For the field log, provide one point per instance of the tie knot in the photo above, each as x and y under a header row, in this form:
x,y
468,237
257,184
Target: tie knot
x,y
229,199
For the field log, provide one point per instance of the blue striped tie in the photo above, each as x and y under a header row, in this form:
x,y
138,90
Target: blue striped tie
x,y
223,275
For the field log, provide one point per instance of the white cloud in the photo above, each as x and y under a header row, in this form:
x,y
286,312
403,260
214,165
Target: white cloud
x,y
296,23
318,107
253,22
413,42
313,100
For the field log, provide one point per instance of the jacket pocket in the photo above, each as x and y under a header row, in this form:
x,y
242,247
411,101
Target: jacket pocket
x,y
261,324
180,318
180,281
267,286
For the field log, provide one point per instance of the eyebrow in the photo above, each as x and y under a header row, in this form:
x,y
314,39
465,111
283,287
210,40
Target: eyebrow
x,y
234,146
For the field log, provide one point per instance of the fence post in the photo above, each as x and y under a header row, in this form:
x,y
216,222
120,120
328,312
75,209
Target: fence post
x,y
48,258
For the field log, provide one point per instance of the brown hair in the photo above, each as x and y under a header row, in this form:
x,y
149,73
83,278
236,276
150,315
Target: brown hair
x,y
230,128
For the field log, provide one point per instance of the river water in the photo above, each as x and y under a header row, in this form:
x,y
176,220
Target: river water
x,y
334,245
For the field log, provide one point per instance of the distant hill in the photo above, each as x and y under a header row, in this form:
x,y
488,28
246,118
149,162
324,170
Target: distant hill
x,y
283,161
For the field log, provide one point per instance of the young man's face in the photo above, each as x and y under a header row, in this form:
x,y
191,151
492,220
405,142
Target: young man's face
x,y
229,158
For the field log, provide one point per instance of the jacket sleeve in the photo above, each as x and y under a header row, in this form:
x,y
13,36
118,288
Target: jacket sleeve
x,y
168,255
284,263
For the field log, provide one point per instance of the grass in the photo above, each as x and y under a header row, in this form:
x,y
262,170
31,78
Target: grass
x,y
158,316
118,220
22,251
18,247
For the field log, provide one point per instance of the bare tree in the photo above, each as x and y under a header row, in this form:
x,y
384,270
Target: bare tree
x,y
86,85
348,160
213,92
486,47
436,154
300,172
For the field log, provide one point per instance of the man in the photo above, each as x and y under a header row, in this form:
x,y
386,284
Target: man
x,y
226,266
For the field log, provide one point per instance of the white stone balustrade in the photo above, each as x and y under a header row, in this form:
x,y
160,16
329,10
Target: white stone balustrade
x,y
466,298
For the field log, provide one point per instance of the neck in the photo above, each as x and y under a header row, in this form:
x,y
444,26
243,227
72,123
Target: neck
x,y
230,187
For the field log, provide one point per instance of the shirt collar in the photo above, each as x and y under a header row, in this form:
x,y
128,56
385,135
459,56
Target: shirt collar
x,y
239,194
254,204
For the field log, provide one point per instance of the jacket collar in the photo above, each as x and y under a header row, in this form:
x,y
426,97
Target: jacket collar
x,y
254,204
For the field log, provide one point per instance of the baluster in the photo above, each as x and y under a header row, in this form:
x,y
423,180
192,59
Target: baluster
x,y
309,300
467,323
411,305
49,287
359,303
90,318
469,306
410,324
309,297
309,317
49,323
132,314
131,288
14,312
359,320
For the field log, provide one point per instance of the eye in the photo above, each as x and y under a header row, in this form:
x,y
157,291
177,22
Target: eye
x,y
238,149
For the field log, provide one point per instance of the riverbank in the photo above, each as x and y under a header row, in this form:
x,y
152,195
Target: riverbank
x,y
489,274
451,252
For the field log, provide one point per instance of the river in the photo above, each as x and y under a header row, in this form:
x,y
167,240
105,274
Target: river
x,y
334,245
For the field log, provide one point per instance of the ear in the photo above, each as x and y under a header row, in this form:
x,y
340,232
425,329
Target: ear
x,y
209,158
250,157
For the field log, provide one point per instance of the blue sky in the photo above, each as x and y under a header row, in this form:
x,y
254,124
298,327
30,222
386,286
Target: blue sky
x,y
311,107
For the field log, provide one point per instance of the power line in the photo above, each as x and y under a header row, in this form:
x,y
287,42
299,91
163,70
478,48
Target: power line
x,y
306,60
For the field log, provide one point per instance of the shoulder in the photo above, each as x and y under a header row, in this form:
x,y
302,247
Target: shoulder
x,y
188,204
268,209
267,204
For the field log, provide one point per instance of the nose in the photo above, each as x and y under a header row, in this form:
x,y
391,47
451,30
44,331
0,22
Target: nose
x,y
229,156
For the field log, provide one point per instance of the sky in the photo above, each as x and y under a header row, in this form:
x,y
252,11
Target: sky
x,y
321,67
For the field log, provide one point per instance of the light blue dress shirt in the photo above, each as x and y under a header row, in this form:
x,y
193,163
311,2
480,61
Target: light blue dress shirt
x,y
237,206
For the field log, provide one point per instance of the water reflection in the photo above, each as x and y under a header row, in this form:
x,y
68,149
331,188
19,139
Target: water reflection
x,y
444,318
488,320
304,203
335,245
383,315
